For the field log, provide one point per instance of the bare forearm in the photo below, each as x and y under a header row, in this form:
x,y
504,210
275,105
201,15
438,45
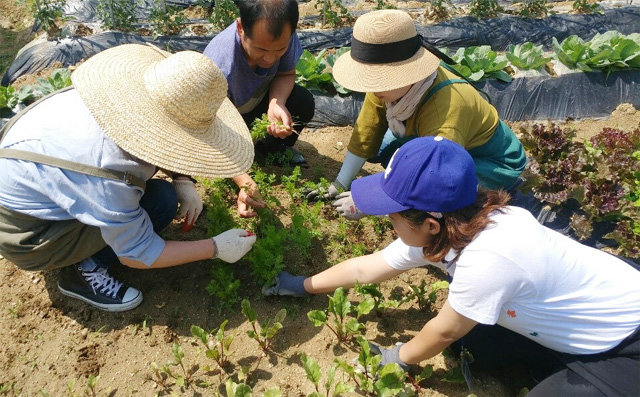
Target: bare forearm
x,y
281,87
363,269
441,331
177,253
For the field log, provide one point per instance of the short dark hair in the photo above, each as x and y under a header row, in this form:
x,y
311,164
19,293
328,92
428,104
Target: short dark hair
x,y
276,12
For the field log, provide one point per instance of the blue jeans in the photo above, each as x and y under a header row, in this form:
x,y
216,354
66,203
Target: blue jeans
x,y
160,202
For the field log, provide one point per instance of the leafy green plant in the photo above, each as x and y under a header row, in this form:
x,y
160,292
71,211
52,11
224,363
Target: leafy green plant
x,y
259,127
535,9
223,12
10,97
223,286
333,13
476,63
161,374
424,294
526,56
312,369
340,309
216,344
439,9
92,383
264,333
484,8
383,5
117,14
60,78
331,60
234,389
373,379
607,51
311,72
166,20
380,304
586,6
47,13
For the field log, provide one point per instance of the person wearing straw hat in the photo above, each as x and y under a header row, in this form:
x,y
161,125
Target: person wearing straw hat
x,y
258,54
410,94
520,292
76,190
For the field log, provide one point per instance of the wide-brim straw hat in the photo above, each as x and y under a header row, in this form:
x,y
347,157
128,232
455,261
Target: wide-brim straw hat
x,y
386,53
170,110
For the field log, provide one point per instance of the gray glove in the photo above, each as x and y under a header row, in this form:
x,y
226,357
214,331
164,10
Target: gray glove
x,y
391,355
346,207
320,194
287,285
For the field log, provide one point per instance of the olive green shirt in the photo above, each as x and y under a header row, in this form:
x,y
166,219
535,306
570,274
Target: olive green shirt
x,y
456,112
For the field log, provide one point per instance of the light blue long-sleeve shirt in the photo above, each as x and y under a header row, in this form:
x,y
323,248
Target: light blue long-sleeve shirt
x,y
63,127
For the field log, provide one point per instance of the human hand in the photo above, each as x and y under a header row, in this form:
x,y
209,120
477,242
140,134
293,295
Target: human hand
x,y
190,202
320,194
233,244
286,284
278,113
391,355
249,197
346,207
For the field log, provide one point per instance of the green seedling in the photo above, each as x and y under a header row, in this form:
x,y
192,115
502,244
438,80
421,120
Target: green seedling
x,y
117,14
166,20
216,344
343,326
92,382
373,379
586,7
10,97
383,5
223,12
311,72
425,295
223,286
161,375
372,291
47,13
485,8
536,9
263,333
333,13
233,389
60,78
312,369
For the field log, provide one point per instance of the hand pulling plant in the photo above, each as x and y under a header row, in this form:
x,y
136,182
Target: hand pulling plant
x,y
264,333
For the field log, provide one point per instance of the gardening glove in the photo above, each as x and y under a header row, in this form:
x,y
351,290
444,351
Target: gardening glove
x,y
391,355
346,207
320,194
233,244
287,285
190,201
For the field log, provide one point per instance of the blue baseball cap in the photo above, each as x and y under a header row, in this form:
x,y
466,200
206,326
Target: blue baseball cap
x,y
430,174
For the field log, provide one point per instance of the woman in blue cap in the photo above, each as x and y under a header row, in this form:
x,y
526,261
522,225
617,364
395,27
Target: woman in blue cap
x,y
519,291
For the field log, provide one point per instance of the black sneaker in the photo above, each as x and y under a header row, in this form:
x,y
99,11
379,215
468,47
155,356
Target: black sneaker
x,y
98,289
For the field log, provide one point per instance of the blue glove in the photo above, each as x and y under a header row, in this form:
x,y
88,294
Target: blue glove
x,y
286,284
389,355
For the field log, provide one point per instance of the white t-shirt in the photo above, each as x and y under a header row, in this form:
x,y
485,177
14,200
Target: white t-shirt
x,y
534,281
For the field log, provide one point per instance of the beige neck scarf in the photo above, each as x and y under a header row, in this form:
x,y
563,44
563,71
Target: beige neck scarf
x,y
403,108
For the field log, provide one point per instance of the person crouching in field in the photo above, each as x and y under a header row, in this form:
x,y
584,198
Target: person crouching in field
x,y
519,291
76,190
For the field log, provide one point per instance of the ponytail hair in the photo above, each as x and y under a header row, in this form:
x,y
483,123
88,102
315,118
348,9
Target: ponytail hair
x,y
460,227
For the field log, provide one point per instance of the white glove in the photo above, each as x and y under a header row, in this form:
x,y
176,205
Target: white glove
x,y
189,199
233,244
346,207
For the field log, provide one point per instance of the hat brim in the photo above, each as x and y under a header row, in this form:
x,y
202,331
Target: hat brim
x,y
371,199
366,77
111,85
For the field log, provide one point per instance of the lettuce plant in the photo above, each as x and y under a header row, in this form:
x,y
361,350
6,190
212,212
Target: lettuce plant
x,y
476,63
10,97
607,51
311,71
526,56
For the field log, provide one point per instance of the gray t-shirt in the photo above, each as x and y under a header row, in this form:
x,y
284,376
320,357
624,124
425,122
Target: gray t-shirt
x,y
247,85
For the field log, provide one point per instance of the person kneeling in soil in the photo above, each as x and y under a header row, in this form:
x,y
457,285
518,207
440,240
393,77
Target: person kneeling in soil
x,y
258,54
519,291
76,191
410,94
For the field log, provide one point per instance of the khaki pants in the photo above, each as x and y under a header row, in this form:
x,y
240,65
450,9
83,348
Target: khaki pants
x,y
35,244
